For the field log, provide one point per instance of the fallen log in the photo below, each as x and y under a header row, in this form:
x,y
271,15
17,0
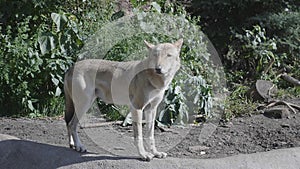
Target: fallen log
x,y
290,79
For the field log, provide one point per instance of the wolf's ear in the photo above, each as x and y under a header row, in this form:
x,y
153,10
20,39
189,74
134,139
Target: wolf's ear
x,y
178,43
149,45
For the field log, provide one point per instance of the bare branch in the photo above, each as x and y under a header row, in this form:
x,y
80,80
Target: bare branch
x,y
290,79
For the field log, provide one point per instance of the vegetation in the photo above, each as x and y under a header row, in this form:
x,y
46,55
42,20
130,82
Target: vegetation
x,y
40,40
256,40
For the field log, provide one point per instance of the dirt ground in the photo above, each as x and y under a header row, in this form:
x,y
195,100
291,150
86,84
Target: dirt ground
x,y
242,135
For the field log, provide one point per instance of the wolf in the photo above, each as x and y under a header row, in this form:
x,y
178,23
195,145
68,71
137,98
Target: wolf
x,y
138,84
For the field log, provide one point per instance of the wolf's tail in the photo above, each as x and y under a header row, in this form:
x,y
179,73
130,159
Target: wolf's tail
x,y
69,105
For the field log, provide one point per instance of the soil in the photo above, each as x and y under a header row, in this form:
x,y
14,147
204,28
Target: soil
x,y
242,135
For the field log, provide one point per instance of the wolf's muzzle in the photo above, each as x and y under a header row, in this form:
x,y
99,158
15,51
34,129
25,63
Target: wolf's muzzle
x,y
158,70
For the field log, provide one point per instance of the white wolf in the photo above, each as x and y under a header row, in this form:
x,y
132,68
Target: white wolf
x,y
138,84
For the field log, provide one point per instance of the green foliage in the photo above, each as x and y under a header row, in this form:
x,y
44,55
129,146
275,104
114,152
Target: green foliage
x,y
190,92
224,21
252,55
38,42
237,104
219,17
188,95
33,65
288,93
111,111
284,28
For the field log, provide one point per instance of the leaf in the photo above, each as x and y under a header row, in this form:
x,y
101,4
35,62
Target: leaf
x,y
58,91
60,20
30,106
46,43
55,81
43,44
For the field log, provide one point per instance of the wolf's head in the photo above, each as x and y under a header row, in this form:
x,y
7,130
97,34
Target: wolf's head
x,y
164,58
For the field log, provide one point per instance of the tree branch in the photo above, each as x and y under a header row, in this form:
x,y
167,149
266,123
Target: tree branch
x,y
290,79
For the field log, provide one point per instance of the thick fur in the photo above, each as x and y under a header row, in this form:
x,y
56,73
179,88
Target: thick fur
x,y
138,84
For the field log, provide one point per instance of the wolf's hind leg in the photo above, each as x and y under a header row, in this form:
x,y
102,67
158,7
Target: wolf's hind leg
x,y
82,104
74,140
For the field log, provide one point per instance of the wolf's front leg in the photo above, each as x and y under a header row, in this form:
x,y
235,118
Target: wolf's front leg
x,y
138,136
149,137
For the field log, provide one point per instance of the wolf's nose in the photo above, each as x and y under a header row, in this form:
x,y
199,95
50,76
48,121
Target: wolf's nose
x,y
158,70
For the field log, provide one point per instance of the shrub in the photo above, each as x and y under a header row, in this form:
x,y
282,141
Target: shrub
x,y
33,65
38,42
237,104
284,28
219,17
252,56
264,53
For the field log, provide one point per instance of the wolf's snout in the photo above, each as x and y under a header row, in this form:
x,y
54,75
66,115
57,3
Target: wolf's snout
x,y
158,70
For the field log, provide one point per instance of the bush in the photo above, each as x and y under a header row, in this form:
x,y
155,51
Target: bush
x,y
264,53
33,65
223,21
39,41
284,28
252,56
219,17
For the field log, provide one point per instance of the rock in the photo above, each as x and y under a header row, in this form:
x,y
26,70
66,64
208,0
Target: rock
x,y
262,90
277,113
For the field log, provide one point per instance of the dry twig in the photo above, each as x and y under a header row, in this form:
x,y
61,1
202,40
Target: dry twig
x,y
280,102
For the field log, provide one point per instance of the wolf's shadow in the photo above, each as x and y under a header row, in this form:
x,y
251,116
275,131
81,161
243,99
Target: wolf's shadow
x,y
16,154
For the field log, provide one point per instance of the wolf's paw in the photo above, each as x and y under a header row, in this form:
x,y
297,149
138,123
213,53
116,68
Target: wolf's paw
x,y
71,146
79,148
147,156
160,154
